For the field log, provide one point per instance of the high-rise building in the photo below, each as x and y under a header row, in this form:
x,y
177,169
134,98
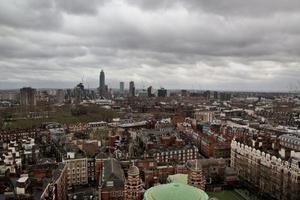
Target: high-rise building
x,y
122,87
206,95
184,93
225,96
131,89
102,84
106,90
149,91
79,93
28,96
162,92
216,95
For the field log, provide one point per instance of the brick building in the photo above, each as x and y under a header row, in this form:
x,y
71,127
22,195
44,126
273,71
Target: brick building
x,y
265,173
133,189
112,179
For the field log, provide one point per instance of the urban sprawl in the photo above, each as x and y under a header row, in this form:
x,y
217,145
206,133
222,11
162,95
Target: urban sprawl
x,y
150,144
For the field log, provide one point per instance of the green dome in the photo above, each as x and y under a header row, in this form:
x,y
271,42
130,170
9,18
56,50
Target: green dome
x,y
175,191
178,178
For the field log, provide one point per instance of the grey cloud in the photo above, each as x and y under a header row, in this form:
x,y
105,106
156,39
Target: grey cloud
x,y
32,14
79,7
154,4
228,8
215,36
43,14
245,8
175,44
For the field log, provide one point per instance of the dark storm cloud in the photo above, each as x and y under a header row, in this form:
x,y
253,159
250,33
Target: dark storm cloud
x,y
195,44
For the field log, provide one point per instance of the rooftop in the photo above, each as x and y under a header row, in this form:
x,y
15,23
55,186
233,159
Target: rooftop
x,y
23,179
175,191
178,178
133,170
113,174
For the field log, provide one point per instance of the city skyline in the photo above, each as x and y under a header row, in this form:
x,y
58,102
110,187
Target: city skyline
x,y
249,46
115,85
102,87
150,99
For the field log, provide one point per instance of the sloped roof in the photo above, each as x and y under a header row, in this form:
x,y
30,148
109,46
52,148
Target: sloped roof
x,y
112,172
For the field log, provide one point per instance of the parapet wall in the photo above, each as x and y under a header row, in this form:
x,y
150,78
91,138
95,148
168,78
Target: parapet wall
x,y
265,158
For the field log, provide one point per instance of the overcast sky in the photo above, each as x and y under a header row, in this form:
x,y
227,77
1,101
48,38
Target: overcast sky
x,y
192,44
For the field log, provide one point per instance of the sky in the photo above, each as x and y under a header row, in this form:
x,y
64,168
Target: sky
x,y
191,44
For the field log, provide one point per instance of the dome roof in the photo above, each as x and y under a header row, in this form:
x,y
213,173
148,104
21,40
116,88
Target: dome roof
x,y
175,191
133,170
178,178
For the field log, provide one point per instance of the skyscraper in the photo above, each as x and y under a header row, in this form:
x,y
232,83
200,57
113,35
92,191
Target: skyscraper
x,y
121,87
102,84
162,92
131,89
27,96
149,91
79,93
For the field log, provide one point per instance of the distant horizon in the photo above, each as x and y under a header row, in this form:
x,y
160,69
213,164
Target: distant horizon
x,y
74,80
190,90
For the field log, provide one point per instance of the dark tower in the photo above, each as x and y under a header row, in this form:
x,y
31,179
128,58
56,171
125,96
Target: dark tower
x,y
149,91
102,84
131,89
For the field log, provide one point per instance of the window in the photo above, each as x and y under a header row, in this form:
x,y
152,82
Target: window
x,y
109,183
